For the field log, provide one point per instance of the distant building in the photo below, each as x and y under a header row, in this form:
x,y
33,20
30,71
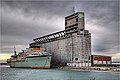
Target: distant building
x,y
100,60
72,45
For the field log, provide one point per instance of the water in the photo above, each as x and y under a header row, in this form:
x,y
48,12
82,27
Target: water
x,y
55,74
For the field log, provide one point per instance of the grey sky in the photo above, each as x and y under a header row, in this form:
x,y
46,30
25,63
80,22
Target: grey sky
x,y
22,21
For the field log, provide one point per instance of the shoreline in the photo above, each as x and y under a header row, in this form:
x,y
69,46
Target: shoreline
x,y
112,69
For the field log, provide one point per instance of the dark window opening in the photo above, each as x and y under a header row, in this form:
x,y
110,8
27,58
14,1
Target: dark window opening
x,y
76,59
76,19
81,34
75,65
89,58
76,24
72,58
81,29
84,35
65,23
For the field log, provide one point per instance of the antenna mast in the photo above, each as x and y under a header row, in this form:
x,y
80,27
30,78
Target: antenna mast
x,y
15,51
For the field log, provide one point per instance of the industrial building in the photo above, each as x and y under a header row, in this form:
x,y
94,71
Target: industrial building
x,y
72,45
100,60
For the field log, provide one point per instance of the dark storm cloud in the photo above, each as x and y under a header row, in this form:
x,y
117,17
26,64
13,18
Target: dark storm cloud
x,y
23,21
103,22
36,9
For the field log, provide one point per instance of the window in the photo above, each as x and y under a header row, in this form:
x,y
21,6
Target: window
x,y
81,29
72,58
89,58
65,23
76,59
84,35
76,19
75,65
81,34
76,24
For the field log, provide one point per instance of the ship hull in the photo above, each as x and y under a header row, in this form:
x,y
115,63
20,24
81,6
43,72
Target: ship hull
x,y
40,62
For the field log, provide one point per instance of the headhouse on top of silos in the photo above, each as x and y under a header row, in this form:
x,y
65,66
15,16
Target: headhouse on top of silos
x,y
72,45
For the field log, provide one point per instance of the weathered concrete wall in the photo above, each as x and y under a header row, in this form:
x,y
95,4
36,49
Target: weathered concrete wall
x,y
68,49
59,50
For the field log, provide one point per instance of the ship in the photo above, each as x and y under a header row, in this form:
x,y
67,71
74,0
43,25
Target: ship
x,y
33,57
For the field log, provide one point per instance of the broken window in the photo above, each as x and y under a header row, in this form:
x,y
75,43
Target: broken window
x,y
76,59
81,29
65,23
76,19
89,58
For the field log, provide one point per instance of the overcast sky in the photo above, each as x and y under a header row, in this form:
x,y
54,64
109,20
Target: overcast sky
x,y
22,21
